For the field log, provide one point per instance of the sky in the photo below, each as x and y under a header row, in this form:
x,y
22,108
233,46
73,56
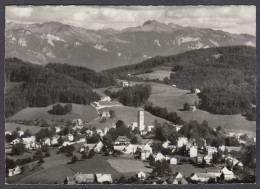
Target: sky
x,y
233,19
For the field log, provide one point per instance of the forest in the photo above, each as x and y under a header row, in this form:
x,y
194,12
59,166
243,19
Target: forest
x,y
92,78
134,96
40,86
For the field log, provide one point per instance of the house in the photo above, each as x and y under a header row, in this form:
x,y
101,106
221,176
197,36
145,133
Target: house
x,y
15,171
8,133
159,157
174,86
105,99
222,148
122,140
228,175
208,159
29,142
197,91
15,141
141,175
130,149
145,154
105,114
66,142
55,139
177,127
57,129
20,133
211,150
70,137
173,161
46,141
95,104
150,128
177,179
100,132
200,158
101,178
80,178
192,108
77,122
81,139
182,141
106,129
98,147
193,151
166,144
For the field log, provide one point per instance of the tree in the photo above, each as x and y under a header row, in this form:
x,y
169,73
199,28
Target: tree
x,y
91,154
40,161
84,156
186,107
18,149
74,159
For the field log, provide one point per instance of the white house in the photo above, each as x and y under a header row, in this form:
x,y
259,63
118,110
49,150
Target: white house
x,y
182,141
105,114
57,129
16,141
106,129
150,128
29,142
46,141
211,150
8,133
20,133
122,140
197,91
54,140
208,159
89,132
15,171
141,175
166,144
77,122
159,157
100,132
134,125
228,175
98,147
173,161
101,177
193,151
66,142
126,84
70,137
105,99
130,149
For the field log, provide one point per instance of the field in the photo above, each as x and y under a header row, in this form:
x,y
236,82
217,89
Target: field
x,y
85,112
13,126
158,74
174,98
128,165
187,169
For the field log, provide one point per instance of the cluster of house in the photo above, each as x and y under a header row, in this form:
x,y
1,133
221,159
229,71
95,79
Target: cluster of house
x,y
80,178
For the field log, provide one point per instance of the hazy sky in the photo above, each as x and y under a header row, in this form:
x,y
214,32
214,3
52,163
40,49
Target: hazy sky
x,y
233,19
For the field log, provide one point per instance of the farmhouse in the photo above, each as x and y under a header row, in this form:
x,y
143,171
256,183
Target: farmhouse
x,y
101,178
141,175
204,177
105,114
166,144
150,128
192,108
29,142
122,140
130,149
228,175
46,141
159,157
15,171
54,140
105,99
208,159
57,129
80,178
89,132
211,150
98,147
134,125
126,84
177,178
66,142
15,141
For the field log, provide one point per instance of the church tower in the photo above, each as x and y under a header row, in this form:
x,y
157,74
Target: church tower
x,y
140,120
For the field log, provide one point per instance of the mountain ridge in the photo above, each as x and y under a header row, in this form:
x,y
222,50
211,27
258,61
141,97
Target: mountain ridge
x,y
42,43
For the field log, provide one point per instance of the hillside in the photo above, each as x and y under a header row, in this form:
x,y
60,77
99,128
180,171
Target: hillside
x,y
41,43
29,85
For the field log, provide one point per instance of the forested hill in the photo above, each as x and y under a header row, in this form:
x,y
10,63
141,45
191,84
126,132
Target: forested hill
x,y
232,57
38,86
92,78
226,76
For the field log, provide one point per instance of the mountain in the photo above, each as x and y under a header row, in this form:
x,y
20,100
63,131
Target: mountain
x,y
41,43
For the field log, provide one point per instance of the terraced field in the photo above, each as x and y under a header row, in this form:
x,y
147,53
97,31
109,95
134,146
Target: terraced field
x,y
128,165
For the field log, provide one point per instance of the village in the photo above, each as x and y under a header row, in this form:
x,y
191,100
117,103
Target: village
x,y
162,162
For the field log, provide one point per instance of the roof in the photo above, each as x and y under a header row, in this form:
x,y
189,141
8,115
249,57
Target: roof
x,y
122,138
226,171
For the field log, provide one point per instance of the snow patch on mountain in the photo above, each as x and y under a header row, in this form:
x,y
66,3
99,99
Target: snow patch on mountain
x,y
197,45
157,42
119,54
100,47
214,42
182,39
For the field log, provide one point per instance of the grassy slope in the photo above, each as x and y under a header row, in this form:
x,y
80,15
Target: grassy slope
x,y
85,112
174,98
13,126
